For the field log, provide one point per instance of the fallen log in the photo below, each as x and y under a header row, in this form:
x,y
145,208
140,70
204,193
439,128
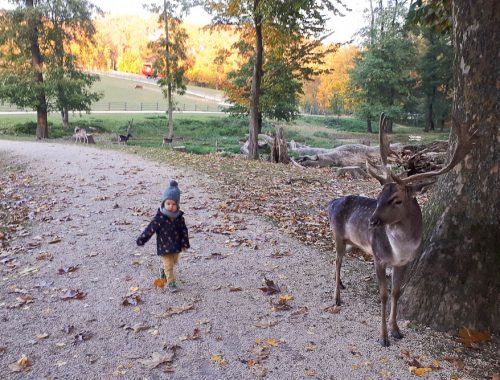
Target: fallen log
x,y
345,155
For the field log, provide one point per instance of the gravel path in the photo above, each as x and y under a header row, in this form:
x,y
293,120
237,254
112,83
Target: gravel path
x,y
218,326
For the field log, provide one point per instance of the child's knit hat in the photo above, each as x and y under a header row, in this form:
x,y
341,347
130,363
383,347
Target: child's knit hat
x,y
172,193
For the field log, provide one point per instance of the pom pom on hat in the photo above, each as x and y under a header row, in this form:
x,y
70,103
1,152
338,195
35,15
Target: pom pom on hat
x,y
172,192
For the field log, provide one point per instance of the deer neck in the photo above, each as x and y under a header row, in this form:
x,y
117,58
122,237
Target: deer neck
x,y
405,236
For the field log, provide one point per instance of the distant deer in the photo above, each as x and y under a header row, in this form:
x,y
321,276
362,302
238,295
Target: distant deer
x,y
80,134
390,227
167,141
123,138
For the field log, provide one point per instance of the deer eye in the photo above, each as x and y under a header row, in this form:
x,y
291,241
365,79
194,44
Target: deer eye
x,y
398,202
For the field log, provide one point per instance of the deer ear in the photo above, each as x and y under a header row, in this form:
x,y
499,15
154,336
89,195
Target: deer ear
x,y
420,187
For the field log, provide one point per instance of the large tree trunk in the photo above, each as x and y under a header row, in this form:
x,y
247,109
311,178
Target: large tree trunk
x,y
256,83
170,123
65,118
429,124
42,128
456,280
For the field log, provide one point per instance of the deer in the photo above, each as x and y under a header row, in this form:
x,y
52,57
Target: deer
x,y
389,228
167,141
80,134
124,138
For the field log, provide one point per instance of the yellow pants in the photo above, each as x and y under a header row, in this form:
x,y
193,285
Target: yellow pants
x,y
169,261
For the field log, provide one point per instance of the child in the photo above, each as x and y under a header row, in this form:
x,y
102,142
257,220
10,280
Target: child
x,y
171,233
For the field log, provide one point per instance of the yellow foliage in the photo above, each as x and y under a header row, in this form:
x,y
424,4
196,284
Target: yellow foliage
x,y
326,87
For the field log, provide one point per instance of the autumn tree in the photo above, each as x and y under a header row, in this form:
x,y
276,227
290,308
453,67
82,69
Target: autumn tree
x,y
284,71
170,53
334,93
68,22
381,79
456,280
41,32
303,20
21,64
435,86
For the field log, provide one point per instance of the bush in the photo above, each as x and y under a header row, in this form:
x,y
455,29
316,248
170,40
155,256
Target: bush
x,y
28,128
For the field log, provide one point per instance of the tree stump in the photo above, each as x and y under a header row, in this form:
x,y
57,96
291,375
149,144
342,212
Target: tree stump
x,y
90,139
279,150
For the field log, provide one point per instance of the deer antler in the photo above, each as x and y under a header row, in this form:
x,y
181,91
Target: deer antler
x,y
465,142
385,151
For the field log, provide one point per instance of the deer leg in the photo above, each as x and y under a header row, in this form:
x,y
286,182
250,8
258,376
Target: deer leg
x,y
340,247
382,285
397,279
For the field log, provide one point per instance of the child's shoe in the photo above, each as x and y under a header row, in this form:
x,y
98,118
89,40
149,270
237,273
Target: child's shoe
x,y
172,286
162,274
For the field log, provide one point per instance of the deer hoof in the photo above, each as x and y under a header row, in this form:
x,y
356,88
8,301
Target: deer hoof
x,y
397,334
342,285
384,342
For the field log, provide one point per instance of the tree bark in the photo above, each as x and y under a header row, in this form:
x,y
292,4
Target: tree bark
x,y
42,128
256,85
170,123
65,118
369,124
456,280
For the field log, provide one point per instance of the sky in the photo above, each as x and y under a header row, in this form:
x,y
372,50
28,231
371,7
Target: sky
x,y
344,27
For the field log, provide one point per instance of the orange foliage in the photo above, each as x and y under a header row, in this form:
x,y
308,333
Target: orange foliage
x,y
321,92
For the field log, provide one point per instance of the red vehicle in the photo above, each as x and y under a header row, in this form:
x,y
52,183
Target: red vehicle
x,y
147,69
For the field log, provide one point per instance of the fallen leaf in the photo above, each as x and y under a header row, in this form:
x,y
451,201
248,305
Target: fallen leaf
x,y
42,336
420,371
80,337
385,373
136,328
310,372
310,347
334,309
157,359
471,338
159,283
74,294
23,364
272,342
266,324
235,289
285,298
131,300
177,310
217,358
455,362
194,336
65,270
270,288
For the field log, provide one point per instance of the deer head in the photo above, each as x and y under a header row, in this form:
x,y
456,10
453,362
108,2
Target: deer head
x,y
392,202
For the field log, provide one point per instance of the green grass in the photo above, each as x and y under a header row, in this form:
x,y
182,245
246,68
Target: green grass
x,y
201,134
139,95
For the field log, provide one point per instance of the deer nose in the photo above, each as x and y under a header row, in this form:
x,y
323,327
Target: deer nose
x,y
374,221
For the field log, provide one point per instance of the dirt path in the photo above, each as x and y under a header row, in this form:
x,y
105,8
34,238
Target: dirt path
x,y
218,326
